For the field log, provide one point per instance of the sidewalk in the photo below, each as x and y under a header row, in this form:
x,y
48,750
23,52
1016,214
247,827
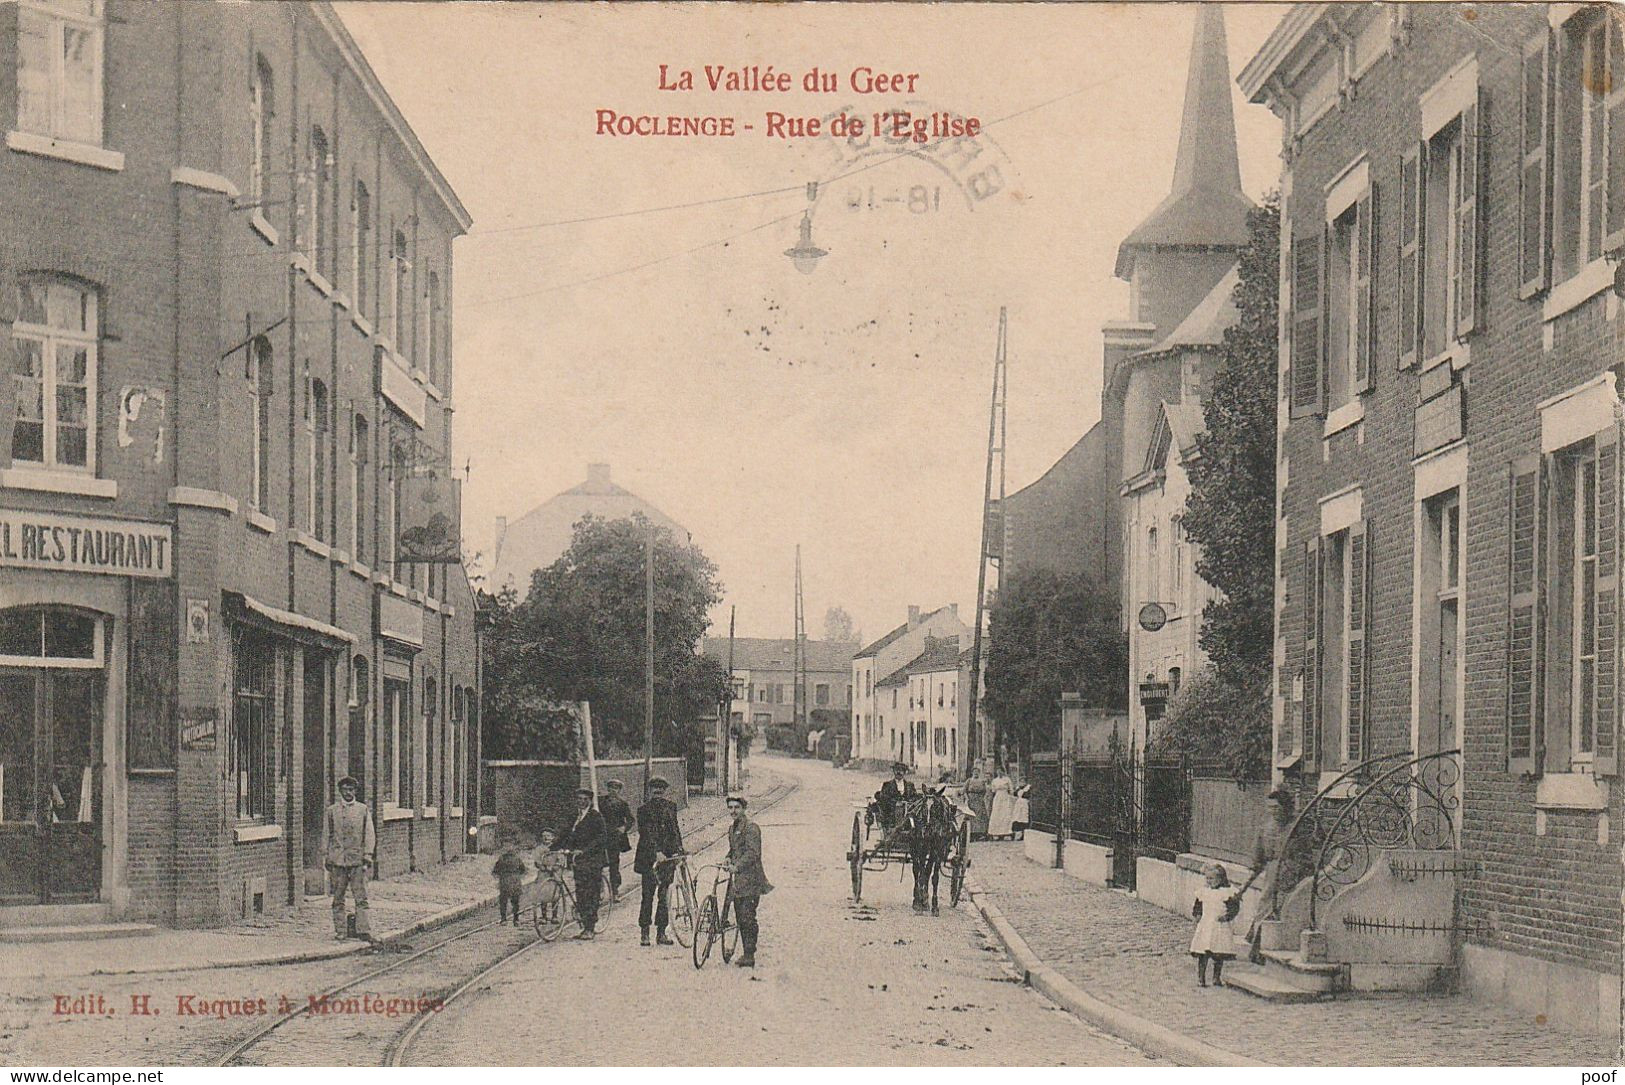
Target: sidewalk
x,y
399,907
1135,956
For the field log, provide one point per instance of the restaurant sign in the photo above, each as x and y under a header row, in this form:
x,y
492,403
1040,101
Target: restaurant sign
x,y
79,544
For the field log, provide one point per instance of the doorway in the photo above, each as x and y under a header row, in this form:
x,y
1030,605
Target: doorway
x,y
315,769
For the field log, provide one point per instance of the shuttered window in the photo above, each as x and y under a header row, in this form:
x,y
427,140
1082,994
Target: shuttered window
x,y
1307,274
1365,297
1533,193
1524,669
1410,254
1356,728
1311,652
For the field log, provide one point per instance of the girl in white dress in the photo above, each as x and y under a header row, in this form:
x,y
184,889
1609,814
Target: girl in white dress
x,y
1000,819
1216,905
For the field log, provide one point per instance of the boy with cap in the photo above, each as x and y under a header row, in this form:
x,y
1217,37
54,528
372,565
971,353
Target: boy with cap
x,y
348,842
585,838
749,880
659,838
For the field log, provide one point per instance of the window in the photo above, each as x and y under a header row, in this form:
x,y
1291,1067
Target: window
x,y
459,696
360,462
1336,600
894,697
360,244
431,319
319,175
431,743
396,735
1176,559
1175,674
400,270
1573,614
260,366
261,108
54,374
50,637
778,693
392,513
317,434
942,693
253,737
868,683
360,699
59,69
939,741
821,694
1153,578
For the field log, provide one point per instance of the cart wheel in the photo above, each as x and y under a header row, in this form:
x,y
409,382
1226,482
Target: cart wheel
x,y
730,932
705,931
682,912
854,857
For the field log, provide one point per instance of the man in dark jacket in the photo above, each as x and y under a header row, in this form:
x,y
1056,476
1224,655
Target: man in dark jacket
x,y
585,837
749,880
892,792
658,839
617,822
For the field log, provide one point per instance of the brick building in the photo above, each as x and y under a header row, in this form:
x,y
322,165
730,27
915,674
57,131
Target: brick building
x,y
1448,552
225,265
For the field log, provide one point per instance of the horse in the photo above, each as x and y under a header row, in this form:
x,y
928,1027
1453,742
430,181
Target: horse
x,y
931,824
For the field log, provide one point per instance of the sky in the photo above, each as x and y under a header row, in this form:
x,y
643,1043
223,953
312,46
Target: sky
x,y
846,410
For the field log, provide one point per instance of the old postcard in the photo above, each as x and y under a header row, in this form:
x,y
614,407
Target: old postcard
x,y
886,535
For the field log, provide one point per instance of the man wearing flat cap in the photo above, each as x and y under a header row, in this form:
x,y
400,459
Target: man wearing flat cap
x,y
585,837
348,842
749,881
659,838
617,823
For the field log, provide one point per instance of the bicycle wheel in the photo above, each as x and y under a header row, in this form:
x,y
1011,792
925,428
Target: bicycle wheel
x,y
606,897
552,915
682,911
705,931
730,932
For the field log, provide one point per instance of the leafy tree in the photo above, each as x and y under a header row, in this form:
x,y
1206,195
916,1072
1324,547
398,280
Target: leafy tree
x,y
838,625
579,636
1230,516
1051,633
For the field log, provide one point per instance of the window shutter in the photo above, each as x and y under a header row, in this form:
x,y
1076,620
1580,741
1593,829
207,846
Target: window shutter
x,y
1410,256
1311,652
1607,692
1533,193
1523,626
1467,217
1614,242
1307,381
1359,618
1365,344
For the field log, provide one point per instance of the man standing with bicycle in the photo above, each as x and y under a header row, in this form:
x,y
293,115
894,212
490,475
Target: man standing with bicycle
x,y
749,880
659,838
586,839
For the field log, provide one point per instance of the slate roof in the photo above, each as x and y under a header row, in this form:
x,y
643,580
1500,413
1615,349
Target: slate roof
x,y
779,653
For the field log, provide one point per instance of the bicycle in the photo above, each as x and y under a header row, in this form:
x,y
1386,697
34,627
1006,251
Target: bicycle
x,y
553,899
682,906
712,924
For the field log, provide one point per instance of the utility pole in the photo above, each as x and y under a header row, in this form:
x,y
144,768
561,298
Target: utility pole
x,y
800,706
648,654
727,723
993,536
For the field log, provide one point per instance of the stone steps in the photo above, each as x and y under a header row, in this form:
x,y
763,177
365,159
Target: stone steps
x,y
1271,987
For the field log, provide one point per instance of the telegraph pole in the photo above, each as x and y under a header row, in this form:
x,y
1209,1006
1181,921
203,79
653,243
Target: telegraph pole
x,y
800,706
993,534
648,654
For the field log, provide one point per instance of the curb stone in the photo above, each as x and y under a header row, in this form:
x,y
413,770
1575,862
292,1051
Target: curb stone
x,y
430,922
1147,1035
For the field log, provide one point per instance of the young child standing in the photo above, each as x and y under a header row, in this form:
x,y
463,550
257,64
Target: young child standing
x,y
1215,907
510,874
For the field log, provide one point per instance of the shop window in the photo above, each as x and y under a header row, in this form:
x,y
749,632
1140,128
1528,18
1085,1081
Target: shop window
x,y
59,69
252,722
54,350
50,636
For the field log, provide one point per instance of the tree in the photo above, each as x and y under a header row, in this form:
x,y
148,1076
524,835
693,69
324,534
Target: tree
x,y
579,636
1051,633
838,625
1230,516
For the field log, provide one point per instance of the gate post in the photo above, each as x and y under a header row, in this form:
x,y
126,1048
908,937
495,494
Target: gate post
x,y
1071,721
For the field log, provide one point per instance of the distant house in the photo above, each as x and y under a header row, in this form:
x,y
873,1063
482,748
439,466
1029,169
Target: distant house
x,y
938,719
538,538
876,721
764,672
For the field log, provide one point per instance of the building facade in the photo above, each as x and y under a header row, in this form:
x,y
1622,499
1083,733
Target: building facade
x,y
873,738
538,538
225,264
939,725
764,678
1448,558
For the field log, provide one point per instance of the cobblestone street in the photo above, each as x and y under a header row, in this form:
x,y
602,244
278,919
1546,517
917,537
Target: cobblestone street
x,y
1135,956
835,983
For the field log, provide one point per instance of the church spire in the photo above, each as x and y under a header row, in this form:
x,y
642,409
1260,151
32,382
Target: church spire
x,y
1205,206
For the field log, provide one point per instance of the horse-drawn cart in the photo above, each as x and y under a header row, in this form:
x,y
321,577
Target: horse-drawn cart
x,y
928,832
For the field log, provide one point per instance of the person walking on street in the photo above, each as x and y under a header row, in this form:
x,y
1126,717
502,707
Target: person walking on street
x,y
659,838
749,881
617,823
348,841
510,874
585,838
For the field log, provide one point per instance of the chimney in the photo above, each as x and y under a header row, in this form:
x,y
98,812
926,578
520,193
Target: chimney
x,y
953,608
598,474
913,617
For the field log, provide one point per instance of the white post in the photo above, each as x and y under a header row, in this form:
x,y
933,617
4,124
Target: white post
x,y
592,761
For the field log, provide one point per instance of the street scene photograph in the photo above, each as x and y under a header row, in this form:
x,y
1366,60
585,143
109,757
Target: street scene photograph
x,y
937,535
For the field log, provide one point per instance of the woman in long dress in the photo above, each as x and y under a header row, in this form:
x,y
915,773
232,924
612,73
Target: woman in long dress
x,y
999,821
976,799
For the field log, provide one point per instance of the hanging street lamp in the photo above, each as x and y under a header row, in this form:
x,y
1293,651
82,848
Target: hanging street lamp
x,y
804,254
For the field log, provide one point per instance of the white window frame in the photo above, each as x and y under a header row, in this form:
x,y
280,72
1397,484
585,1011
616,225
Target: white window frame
x,y
399,290
59,19
1582,752
257,396
261,108
50,339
